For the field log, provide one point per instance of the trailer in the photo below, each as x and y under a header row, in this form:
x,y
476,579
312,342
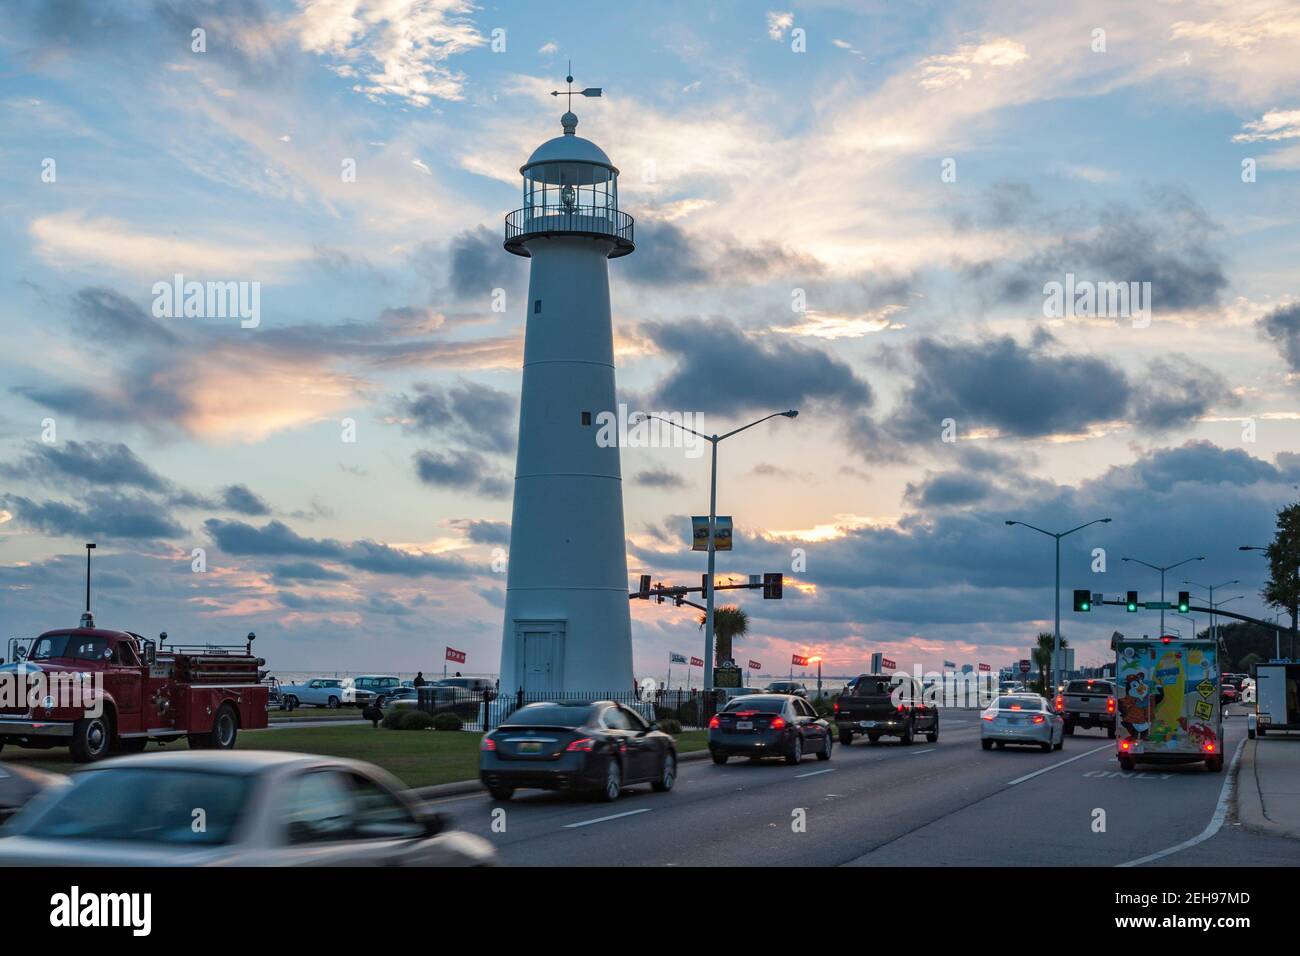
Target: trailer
x,y
1276,703
1167,698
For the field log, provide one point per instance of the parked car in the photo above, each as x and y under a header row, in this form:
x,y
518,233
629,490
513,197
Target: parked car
x,y
331,692
1022,719
262,808
867,705
18,784
1088,703
787,687
404,698
769,725
600,746
379,686
482,686
1228,694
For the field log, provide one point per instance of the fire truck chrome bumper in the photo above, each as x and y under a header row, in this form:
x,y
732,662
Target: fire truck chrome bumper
x,y
34,728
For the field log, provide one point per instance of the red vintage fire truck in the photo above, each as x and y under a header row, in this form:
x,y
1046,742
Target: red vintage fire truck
x,y
131,690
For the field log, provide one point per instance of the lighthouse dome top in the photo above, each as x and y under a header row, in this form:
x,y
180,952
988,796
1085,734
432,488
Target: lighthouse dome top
x,y
569,148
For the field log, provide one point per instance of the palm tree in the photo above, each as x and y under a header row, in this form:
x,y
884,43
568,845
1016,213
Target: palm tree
x,y
729,623
1042,655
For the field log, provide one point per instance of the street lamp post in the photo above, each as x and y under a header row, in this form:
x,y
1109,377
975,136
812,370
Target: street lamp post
x,y
714,440
1278,642
1167,567
1056,632
1214,631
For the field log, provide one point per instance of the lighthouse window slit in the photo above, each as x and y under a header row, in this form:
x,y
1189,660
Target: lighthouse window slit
x,y
537,307
586,418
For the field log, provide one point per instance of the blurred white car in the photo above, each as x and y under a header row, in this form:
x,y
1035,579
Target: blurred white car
x,y
1021,719
233,808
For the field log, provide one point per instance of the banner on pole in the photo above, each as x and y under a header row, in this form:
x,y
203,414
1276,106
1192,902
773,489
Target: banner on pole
x,y
755,666
696,662
798,661
676,658
455,655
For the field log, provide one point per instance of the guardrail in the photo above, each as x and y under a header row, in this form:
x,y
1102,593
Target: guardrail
x,y
581,220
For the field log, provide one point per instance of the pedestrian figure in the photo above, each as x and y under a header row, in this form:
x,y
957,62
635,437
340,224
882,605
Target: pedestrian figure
x,y
419,679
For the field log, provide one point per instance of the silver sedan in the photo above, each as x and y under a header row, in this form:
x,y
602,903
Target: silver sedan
x,y
233,808
1022,719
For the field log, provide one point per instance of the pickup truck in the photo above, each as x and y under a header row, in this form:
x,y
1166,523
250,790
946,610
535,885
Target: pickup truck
x,y
1088,703
98,691
867,706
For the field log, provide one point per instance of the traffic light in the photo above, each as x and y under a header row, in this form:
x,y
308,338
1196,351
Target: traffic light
x,y
644,590
1131,601
772,585
1082,599
1184,601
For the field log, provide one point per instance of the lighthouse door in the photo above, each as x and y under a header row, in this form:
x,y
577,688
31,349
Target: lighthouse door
x,y
541,654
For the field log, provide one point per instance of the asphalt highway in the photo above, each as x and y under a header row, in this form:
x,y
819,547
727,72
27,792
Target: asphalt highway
x,y
941,804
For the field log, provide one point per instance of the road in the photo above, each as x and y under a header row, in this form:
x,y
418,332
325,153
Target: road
x,y
948,803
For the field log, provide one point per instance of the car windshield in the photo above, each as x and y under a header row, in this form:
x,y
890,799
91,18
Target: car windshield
x,y
1089,687
1020,703
763,705
69,645
139,805
550,715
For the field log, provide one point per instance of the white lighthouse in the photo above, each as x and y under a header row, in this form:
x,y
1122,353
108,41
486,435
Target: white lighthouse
x,y
567,625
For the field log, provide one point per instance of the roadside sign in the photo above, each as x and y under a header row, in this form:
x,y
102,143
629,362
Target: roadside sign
x,y
696,662
1024,666
985,668
1159,605
721,533
677,658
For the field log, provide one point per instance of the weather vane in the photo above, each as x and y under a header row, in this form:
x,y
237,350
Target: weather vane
x,y
589,91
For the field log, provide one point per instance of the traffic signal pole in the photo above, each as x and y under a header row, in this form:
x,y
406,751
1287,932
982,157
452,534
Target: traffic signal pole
x,y
1271,625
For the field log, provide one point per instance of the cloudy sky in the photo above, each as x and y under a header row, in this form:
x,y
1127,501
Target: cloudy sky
x,y
849,208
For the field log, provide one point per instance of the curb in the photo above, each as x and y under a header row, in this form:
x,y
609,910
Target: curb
x,y
461,787
1248,802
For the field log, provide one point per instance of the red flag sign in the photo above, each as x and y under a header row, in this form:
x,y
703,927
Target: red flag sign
x,y
798,661
755,666
696,662
985,667
455,655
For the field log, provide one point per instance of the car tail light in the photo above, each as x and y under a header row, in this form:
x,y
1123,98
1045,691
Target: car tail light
x,y
1110,705
902,708
582,743
714,723
1039,719
1209,747
488,744
1125,745
778,723
1060,702
986,716
837,707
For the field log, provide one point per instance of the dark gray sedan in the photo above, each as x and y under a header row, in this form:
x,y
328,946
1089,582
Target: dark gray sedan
x,y
769,725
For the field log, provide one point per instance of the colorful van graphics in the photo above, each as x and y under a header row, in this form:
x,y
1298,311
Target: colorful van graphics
x,y
1167,696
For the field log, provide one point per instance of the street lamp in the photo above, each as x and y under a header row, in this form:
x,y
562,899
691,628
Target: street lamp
x,y
90,546
1278,641
713,516
818,662
1214,632
1167,567
1187,618
1056,632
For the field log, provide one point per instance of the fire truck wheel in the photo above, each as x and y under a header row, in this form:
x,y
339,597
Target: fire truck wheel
x,y
225,728
91,737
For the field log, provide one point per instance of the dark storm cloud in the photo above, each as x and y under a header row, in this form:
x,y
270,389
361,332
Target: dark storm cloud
x,y
100,514
659,478
305,571
91,462
474,414
1167,239
483,531
1282,325
1176,390
478,266
241,499
275,539
1023,391
668,255
721,370
1199,462
111,319
948,489
463,470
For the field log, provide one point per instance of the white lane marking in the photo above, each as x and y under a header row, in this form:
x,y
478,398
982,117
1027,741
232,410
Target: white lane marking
x,y
1031,776
1216,821
813,773
612,816
917,753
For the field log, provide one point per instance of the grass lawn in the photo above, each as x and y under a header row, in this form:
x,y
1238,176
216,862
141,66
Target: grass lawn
x,y
317,713
416,757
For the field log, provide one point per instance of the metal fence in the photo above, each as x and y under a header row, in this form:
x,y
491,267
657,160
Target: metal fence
x,y
484,710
